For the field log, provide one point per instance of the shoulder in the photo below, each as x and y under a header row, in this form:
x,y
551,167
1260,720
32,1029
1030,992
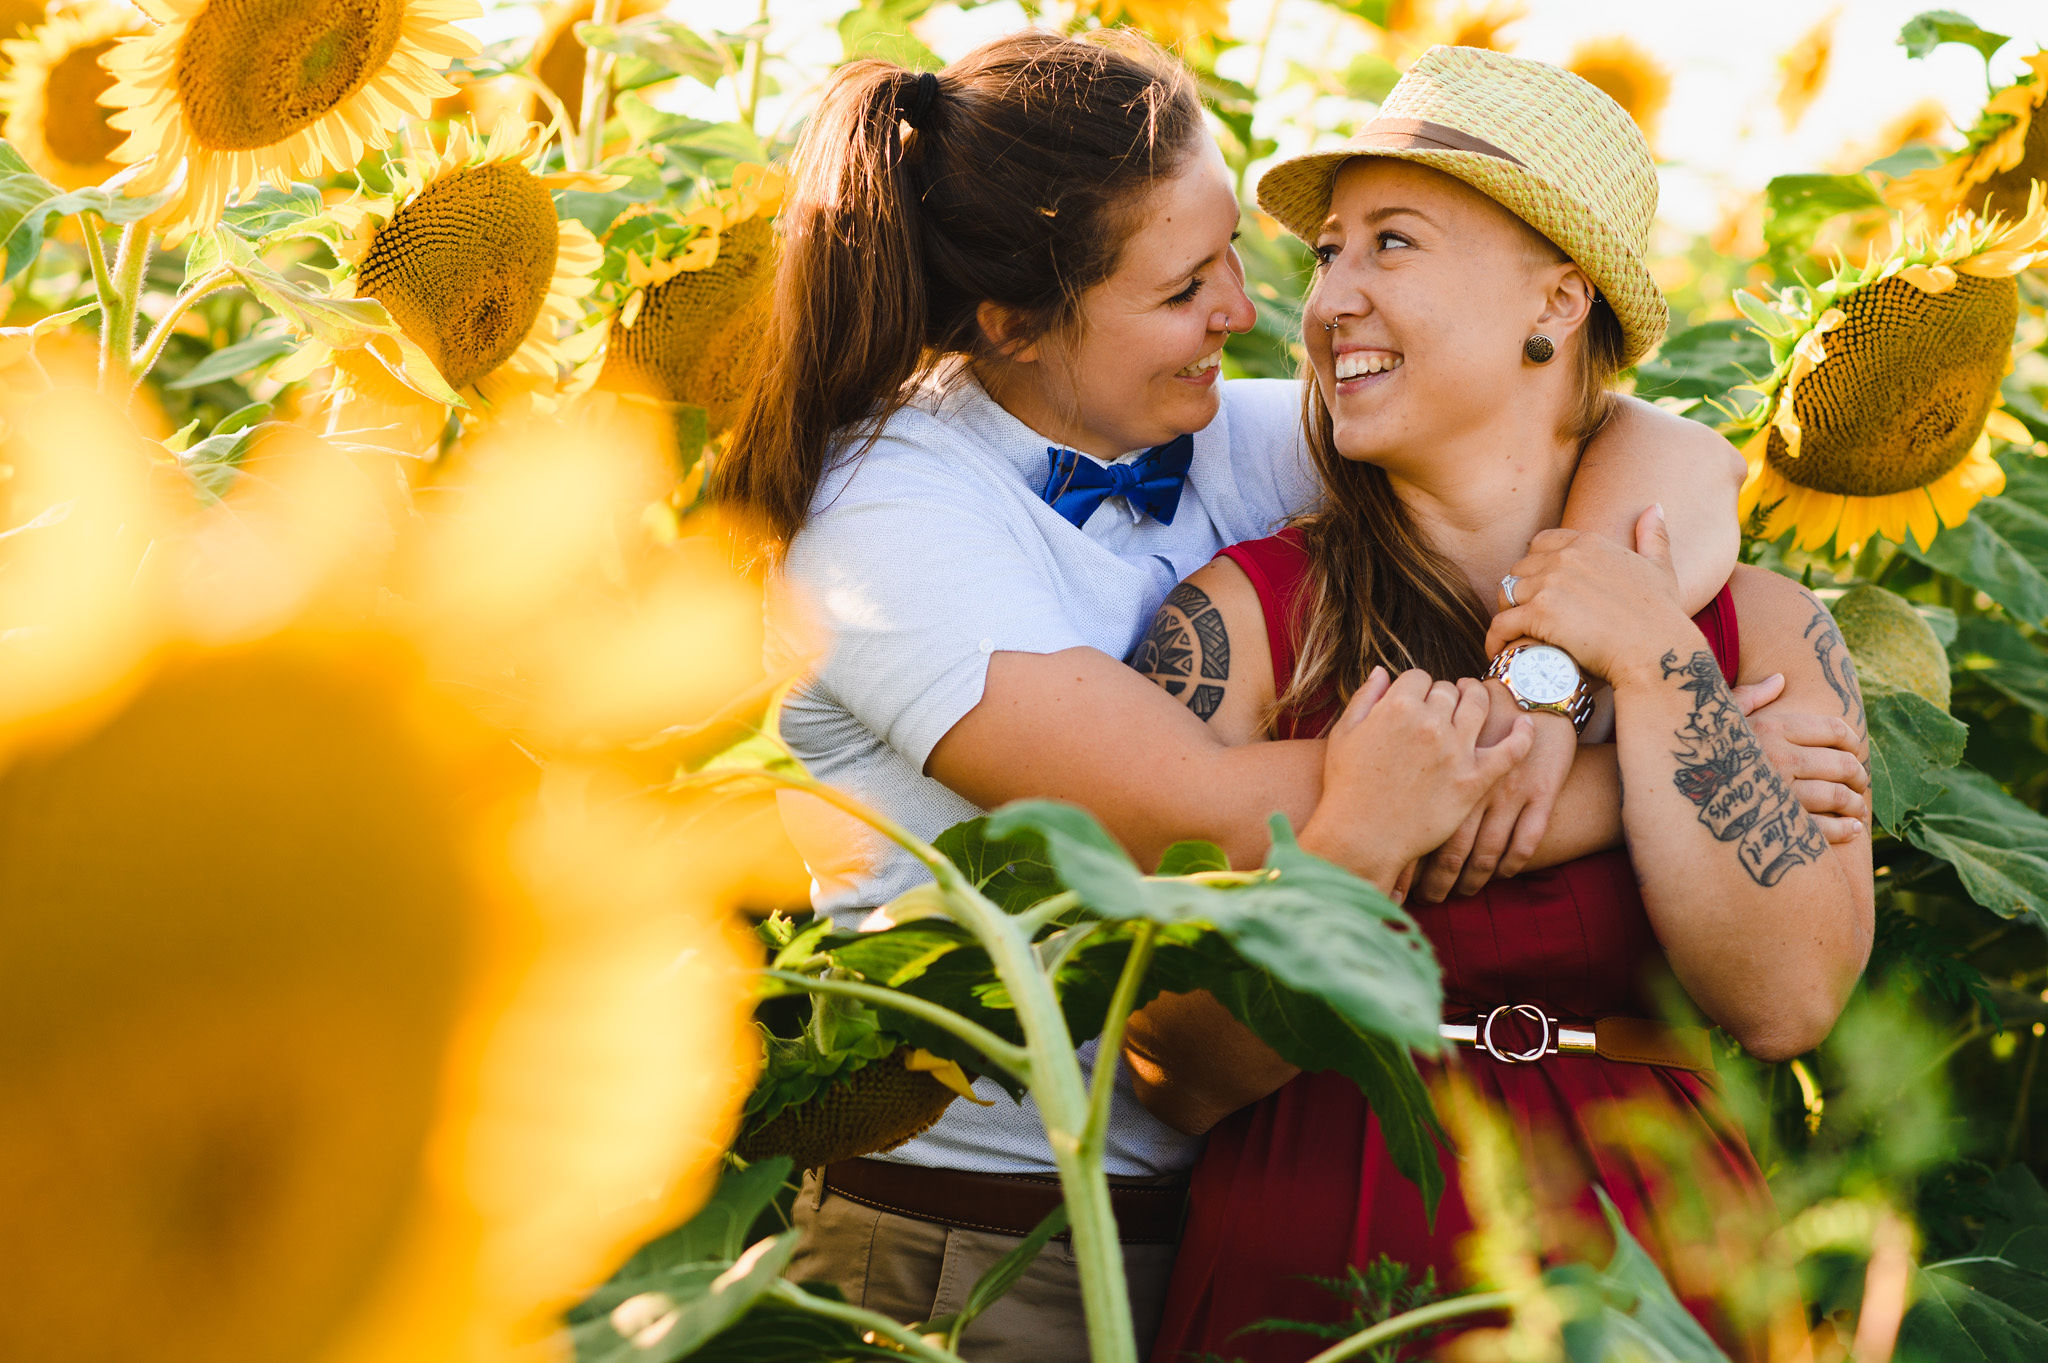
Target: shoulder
x,y
1785,627
1767,602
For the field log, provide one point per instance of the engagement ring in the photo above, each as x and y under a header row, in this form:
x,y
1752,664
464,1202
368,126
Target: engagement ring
x,y
1507,588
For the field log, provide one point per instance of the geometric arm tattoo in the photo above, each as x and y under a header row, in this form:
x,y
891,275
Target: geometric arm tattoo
x,y
1186,649
1724,772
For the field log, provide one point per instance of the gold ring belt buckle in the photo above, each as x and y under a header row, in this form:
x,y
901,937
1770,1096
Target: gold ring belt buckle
x,y
1555,1035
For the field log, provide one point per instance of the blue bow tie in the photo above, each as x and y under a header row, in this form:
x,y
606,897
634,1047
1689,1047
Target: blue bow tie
x,y
1075,484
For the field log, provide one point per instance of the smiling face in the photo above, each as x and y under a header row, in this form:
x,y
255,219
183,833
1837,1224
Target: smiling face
x,y
1140,365
1433,288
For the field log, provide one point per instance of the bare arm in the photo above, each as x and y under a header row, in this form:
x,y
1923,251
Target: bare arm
x,y
1647,455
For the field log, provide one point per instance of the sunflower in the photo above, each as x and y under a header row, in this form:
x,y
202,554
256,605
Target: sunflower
x,y
336,1030
468,257
1481,28
1171,21
1628,74
17,17
1879,414
2003,156
51,93
691,314
235,92
1803,70
558,55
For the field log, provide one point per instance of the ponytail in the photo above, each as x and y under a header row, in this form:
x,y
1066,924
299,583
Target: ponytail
x,y
1006,178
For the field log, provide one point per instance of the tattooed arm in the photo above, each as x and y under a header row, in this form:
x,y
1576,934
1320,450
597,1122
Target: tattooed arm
x,y
1765,922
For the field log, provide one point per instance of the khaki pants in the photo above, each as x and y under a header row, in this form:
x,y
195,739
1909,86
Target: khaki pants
x,y
913,1271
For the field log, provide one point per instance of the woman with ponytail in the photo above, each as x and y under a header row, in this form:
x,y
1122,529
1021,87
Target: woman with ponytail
x,y
988,438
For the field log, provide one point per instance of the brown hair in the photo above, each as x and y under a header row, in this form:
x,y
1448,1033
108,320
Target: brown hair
x,y
1015,187
1378,593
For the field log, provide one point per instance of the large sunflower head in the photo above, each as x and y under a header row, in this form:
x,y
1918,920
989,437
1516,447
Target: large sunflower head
x,y
1629,75
50,92
2005,154
691,312
1881,409
467,255
235,92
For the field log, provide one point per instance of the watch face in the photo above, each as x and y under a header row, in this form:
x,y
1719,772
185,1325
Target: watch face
x,y
1543,675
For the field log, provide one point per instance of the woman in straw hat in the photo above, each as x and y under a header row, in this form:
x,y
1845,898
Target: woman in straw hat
x,y
988,439
1480,281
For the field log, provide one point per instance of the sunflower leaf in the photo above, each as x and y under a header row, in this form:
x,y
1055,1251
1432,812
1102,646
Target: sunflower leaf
x,y
1704,361
232,361
1998,846
271,211
664,44
1994,651
1996,551
1926,31
1912,746
881,28
28,202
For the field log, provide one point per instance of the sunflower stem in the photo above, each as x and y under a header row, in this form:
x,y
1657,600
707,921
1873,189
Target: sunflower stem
x,y
145,359
102,281
1414,1320
1011,1057
117,321
597,88
1108,1053
751,102
789,1294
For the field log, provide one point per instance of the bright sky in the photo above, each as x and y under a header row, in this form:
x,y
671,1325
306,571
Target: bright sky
x,y
1721,137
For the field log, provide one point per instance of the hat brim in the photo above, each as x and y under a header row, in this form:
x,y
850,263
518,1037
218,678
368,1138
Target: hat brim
x,y
1296,192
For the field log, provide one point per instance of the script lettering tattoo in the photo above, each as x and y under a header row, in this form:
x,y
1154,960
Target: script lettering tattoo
x,y
1724,772
1835,664
1186,649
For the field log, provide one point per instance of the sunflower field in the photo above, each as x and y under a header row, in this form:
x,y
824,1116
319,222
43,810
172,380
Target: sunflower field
x,y
400,955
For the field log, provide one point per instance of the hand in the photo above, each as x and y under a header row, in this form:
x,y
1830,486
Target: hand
x,y
1403,769
1821,758
1609,608
1499,837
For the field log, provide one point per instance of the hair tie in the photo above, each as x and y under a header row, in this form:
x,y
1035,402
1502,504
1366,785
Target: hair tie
x,y
914,102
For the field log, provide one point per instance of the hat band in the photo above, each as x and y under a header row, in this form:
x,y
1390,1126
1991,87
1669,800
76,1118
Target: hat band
x,y
1408,134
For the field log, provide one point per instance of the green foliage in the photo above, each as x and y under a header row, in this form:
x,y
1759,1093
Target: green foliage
x,y
1926,31
28,202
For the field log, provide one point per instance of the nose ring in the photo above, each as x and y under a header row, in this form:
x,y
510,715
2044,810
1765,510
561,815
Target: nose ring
x,y
1331,325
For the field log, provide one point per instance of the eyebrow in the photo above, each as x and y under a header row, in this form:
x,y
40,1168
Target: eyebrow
x,y
1380,215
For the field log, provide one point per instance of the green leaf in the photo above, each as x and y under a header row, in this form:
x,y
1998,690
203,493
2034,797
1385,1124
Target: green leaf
x,y
1314,927
1998,846
1012,873
1635,1314
272,211
679,1308
1952,1321
1926,31
1704,361
1996,551
1001,1276
1369,77
233,361
1995,652
721,1228
1796,206
667,44
1187,858
1374,12
1912,745
28,202
881,28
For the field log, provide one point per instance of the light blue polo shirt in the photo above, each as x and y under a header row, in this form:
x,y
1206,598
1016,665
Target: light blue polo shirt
x,y
933,550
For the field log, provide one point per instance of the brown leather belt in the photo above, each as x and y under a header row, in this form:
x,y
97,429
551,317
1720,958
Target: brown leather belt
x,y
1518,1033
1011,1204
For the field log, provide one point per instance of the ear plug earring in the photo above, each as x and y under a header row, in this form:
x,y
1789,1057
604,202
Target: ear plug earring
x,y
1539,348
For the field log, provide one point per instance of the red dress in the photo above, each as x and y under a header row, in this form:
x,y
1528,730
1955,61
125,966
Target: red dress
x,y
1301,1184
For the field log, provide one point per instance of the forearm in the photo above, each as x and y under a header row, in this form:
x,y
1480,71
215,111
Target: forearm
x,y
1587,817
1193,1064
1758,916
1644,455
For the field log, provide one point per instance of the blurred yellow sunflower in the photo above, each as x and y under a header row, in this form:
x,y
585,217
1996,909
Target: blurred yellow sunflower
x,y
1880,412
1629,75
1481,28
235,92
17,17
1803,69
468,256
690,315
558,55
337,1030
2005,154
1171,21
54,78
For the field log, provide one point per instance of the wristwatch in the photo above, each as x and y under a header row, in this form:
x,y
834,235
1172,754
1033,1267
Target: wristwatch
x,y
1544,677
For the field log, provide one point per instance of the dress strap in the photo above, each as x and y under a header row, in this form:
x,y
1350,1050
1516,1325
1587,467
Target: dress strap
x,y
1724,634
1278,569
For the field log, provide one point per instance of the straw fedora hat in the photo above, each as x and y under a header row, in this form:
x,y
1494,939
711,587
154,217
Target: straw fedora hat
x,y
1548,146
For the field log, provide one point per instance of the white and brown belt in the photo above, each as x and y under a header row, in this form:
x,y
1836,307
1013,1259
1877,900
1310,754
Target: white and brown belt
x,y
1639,1041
